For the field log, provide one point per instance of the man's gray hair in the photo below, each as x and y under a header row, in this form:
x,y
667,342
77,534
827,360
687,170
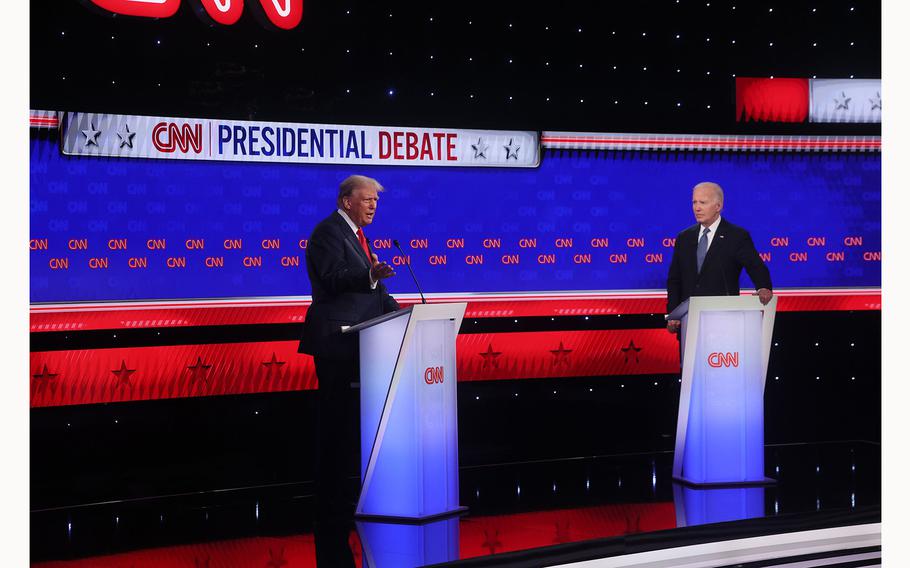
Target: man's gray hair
x,y
351,183
718,190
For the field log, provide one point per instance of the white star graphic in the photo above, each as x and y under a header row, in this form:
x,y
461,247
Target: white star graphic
x,y
480,149
126,137
511,152
91,136
843,102
876,102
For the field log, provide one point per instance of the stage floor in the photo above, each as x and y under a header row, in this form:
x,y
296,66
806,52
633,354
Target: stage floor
x,y
538,507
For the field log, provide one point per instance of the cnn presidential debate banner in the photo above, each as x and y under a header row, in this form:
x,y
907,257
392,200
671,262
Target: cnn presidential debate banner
x,y
229,211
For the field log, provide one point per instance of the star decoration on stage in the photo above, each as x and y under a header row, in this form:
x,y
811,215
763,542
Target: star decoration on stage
x,y
512,150
276,559
492,542
876,102
123,374
560,355
91,136
843,102
273,365
489,357
44,378
126,136
45,374
480,149
631,349
199,370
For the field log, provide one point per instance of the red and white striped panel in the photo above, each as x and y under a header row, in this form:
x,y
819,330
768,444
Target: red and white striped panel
x,y
708,142
43,119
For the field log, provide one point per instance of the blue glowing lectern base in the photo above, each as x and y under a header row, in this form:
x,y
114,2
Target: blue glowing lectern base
x,y
409,413
720,437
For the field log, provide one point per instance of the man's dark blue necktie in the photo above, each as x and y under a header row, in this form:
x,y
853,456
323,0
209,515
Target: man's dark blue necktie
x,y
702,249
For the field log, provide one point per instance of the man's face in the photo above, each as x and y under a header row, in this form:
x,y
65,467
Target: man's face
x,y
705,205
361,205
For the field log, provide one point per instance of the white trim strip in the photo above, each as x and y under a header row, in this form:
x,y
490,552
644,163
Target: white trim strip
x,y
745,550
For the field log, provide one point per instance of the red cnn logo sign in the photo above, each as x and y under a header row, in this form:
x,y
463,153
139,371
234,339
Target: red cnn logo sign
x,y
224,12
434,375
141,8
723,359
282,14
167,137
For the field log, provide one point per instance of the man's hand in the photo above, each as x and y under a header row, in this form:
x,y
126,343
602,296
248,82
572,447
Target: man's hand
x,y
380,270
764,296
673,325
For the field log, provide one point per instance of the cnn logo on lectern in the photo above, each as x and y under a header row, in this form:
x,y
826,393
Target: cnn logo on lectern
x,y
434,375
723,359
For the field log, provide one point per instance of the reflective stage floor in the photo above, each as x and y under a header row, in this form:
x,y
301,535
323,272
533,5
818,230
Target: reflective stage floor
x,y
523,514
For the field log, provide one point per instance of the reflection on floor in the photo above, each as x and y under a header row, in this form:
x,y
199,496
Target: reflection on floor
x,y
513,507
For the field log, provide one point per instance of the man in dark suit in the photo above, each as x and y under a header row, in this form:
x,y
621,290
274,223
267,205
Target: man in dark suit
x,y
346,279
710,255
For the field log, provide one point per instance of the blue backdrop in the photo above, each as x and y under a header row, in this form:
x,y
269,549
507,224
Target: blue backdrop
x,y
822,210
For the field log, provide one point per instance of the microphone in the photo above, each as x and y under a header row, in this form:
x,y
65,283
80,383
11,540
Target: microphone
x,y
398,246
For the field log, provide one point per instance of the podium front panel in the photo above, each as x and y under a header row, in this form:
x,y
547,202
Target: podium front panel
x,y
436,391
725,434
409,425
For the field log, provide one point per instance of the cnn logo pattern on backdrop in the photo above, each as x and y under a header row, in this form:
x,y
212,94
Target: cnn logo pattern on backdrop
x,y
283,14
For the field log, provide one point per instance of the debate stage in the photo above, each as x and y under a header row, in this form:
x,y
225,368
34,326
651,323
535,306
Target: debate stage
x,y
535,513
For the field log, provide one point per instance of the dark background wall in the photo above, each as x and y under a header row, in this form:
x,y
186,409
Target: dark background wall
x,y
341,62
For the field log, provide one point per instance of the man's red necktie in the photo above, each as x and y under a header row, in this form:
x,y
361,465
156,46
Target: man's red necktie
x,y
363,244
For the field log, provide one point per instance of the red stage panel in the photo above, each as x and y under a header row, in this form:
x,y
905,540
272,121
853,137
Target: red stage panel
x,y
133,315
552,354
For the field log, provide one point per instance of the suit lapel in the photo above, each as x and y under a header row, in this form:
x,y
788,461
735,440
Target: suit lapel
x,y
351,237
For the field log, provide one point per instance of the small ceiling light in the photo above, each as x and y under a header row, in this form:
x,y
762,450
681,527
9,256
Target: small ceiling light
x,y
770,44
579,30
733,42
709,106
678,104
581,101
770,10
677,36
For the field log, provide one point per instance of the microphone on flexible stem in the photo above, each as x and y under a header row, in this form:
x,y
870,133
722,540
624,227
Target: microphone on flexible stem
x,y
419,291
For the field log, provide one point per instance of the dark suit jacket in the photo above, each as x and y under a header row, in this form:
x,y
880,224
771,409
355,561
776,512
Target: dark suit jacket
x,y
339,275
731,251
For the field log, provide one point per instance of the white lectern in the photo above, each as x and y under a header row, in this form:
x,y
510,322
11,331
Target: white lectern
x,y
409,413
720,437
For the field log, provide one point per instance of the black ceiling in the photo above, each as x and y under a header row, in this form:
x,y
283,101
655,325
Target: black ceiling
x,y
587,66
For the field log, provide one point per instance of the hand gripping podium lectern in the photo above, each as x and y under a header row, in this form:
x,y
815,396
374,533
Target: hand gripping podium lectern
x,y
409,413
720,430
